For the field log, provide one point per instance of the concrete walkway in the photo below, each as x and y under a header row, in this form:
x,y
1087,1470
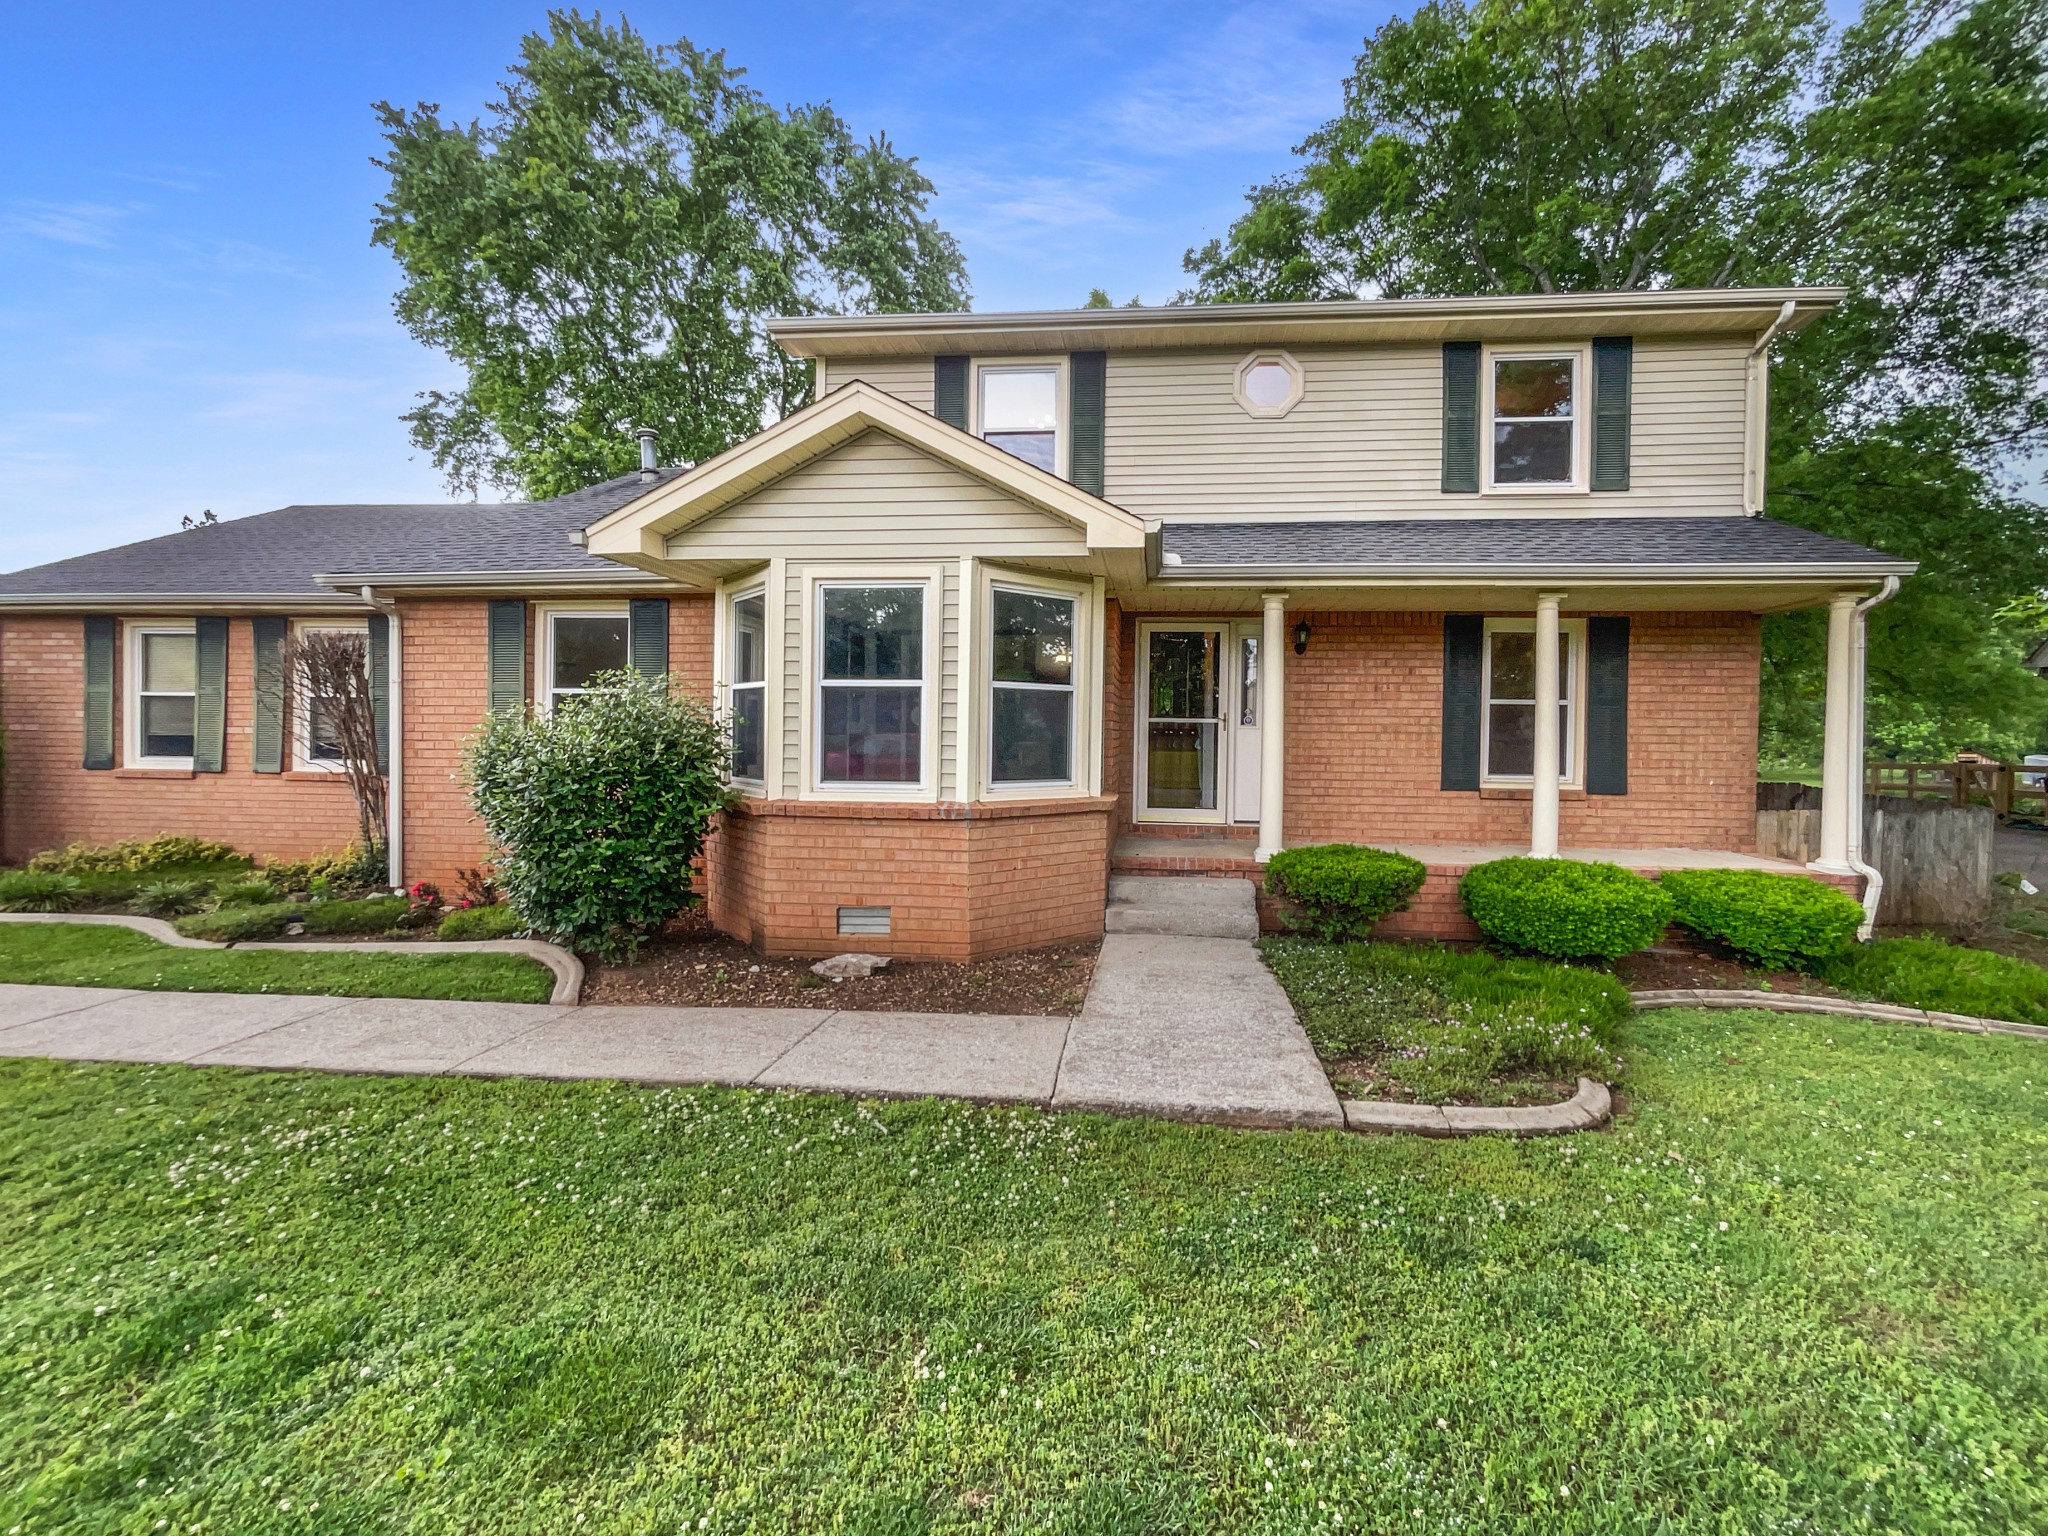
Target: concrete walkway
x,y
1190,1027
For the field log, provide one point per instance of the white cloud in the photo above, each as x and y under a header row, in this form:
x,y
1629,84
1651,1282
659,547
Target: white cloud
x,y
89,224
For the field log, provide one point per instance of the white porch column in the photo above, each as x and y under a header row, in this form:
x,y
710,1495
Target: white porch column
x,y
1272,724
1543,800
1841,795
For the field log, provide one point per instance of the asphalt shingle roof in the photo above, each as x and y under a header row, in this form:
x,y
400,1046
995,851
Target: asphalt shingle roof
x,y
1536,541
281,552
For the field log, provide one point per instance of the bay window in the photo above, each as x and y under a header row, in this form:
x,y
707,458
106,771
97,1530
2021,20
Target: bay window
x,y
871,682
748,685
1508,723
1031,703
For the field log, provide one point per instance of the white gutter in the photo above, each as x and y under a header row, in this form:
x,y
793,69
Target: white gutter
x,y
1756,410
1250,573
394,798
1873,882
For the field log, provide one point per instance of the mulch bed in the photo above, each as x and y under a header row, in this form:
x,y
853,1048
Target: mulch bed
x,y
1666,966
690,965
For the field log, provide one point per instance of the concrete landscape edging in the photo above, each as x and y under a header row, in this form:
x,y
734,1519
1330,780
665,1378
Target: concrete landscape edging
x,y
567,969
1591,1106
1844,1007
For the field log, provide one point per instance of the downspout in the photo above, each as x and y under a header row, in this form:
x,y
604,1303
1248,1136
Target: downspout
x,y
1756,389
394,798
1873,882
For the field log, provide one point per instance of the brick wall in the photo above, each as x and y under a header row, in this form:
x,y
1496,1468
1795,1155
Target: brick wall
x,y
48,799
1364,723
959,881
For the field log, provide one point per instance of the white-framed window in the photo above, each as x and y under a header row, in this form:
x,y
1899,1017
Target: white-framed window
x,y
1535,413
1268,384
577,641
1507,723
872,663
162,676
1034,641
746,653
1019,406
316,738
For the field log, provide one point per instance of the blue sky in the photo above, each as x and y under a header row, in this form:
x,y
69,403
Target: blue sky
x,y
191,314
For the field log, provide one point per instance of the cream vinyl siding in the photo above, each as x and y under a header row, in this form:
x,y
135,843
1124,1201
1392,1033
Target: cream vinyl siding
x,y
909,379
792,679
877,498
1366,438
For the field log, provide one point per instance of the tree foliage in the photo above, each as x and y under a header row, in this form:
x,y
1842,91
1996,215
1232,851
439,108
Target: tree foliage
x,y
600,254
1507,147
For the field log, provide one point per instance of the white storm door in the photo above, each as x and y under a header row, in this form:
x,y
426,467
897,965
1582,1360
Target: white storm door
x,y
1244,731
1184,728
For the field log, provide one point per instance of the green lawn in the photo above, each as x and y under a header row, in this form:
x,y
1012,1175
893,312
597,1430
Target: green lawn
x,y
79,955
1801,1286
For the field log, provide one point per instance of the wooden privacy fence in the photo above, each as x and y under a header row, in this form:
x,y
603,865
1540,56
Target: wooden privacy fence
x,y
1935,857
2008,789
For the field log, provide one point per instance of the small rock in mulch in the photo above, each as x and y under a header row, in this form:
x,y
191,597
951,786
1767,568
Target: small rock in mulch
x,y
692,965
850,967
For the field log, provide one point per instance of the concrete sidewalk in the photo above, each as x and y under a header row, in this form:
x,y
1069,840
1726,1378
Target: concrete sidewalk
x,y
1200,1033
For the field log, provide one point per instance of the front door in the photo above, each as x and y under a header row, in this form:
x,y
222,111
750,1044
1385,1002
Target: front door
x,y
1184,693
1244,734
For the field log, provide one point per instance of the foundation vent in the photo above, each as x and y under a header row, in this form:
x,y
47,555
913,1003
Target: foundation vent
x,y
864,921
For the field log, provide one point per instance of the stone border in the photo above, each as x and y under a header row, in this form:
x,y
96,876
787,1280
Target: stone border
x,y
1844,1007
567,969
1591,1106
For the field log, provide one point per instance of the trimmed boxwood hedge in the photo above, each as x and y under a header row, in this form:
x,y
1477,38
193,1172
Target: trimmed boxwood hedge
x,y
232,925
1564,909
499,922
1786,922
1342,889
373,914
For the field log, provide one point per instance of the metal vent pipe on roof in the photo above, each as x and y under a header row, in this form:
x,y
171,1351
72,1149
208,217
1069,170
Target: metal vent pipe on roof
x,y
647,464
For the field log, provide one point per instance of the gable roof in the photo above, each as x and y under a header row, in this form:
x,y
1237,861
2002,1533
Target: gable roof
x,y
637,533
294,552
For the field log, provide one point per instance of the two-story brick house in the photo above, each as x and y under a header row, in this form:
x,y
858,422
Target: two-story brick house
x,y
1024,598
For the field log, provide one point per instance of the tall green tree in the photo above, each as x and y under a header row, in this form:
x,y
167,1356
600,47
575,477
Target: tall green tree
x,y
599,255
1510,147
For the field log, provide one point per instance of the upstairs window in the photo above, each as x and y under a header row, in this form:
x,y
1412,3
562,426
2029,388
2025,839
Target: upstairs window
x,y
871,684
166,673
748,685
1019,412
581,644
1031,708
1535,427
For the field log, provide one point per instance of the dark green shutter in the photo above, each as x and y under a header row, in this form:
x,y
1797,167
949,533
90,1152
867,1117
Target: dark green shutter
x,y
210,707
1087,374
1464,639
1607,706
508,653
647,636
1461,417
1613,357
949,391
100,632
378,663
266,728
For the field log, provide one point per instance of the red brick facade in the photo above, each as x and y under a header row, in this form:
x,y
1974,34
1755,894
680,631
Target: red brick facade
x,y
1364,738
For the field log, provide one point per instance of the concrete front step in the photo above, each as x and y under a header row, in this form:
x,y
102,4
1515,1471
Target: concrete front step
x,y
1196,909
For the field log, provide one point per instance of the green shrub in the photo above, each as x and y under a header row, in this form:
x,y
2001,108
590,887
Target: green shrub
x,y
373,914
1563,908
1943,977
356,868
1787,922
1343,889
231,925
169,898
137,857
36,890
499,922
600,808
245,893
1447,1020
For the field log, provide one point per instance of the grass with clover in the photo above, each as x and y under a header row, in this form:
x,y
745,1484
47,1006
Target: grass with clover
x,y
1802,1285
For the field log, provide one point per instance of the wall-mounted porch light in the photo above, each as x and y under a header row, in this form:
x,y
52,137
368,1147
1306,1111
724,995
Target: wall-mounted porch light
x,y
1301,634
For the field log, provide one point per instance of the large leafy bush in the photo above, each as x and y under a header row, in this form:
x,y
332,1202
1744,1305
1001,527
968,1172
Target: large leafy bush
x,y
1563,908
1788,922
599,809
1341,888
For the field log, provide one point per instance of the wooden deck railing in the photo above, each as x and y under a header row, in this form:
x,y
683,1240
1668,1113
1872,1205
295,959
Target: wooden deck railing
x,y
2009,789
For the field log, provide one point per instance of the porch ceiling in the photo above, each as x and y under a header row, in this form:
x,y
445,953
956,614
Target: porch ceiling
x,y
1615,595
